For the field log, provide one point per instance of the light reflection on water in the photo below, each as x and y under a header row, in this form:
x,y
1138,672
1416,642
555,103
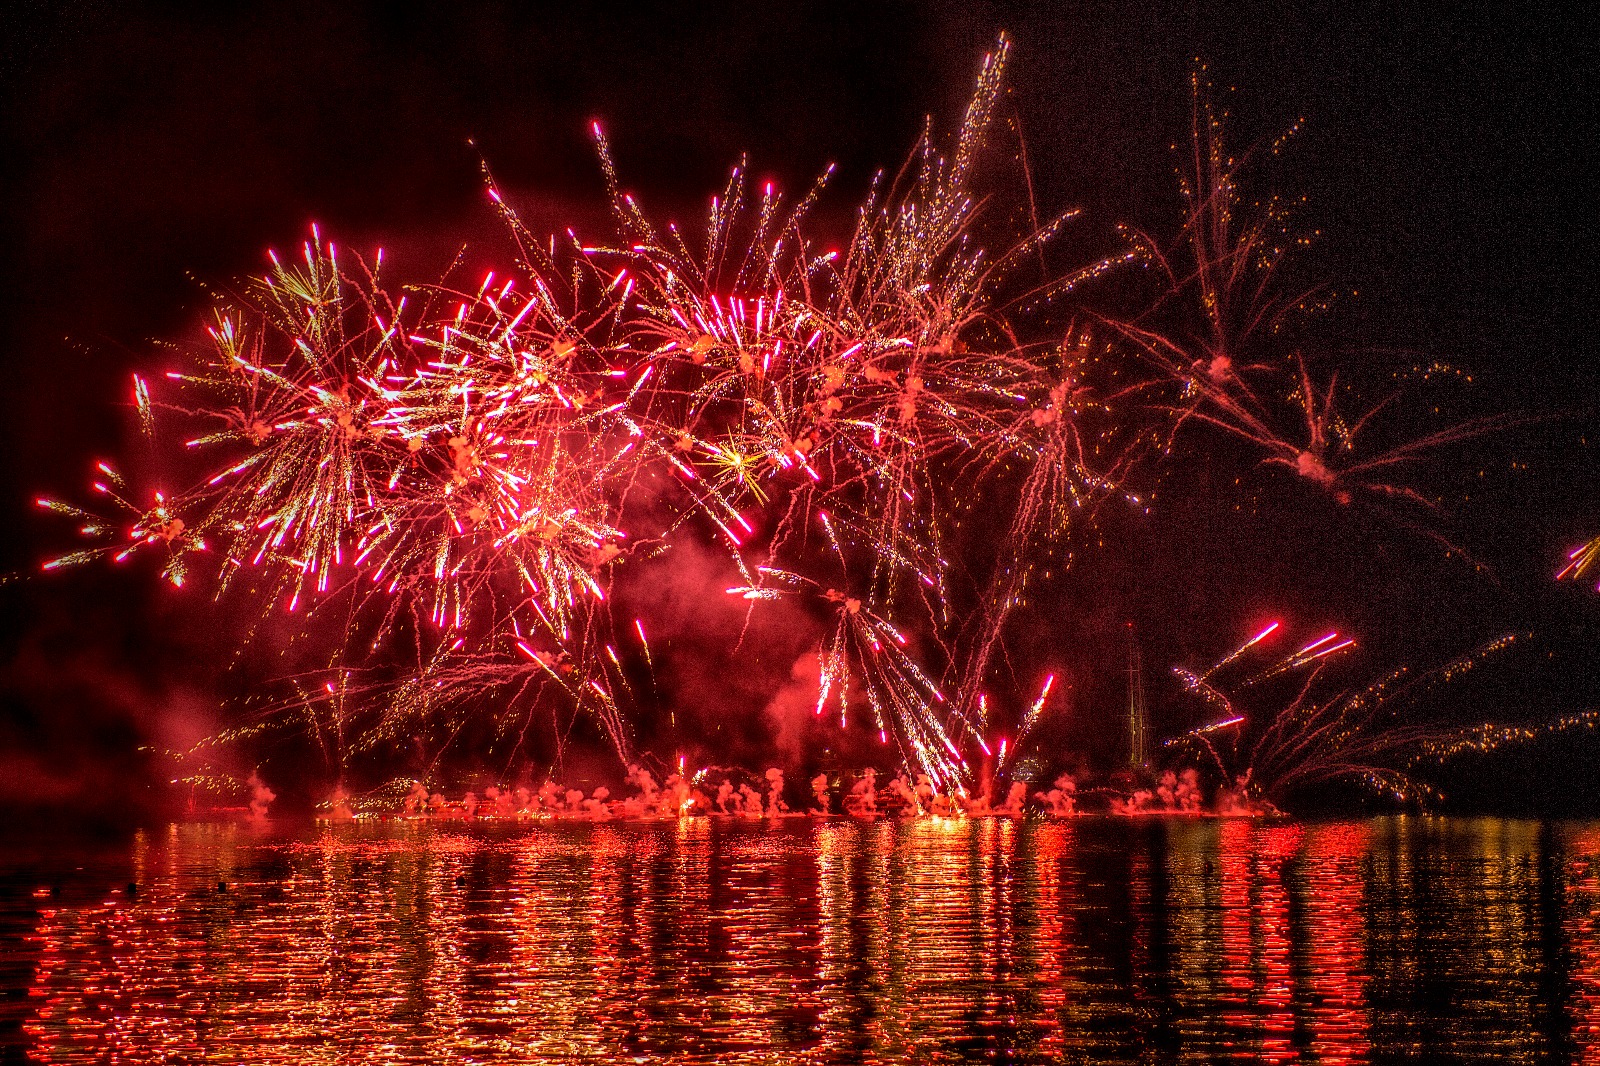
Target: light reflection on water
x,y
1095,940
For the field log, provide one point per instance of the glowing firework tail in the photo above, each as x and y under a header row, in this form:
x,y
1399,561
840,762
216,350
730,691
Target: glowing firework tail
x,y
1368,737
1029,721
1583,562
1240,650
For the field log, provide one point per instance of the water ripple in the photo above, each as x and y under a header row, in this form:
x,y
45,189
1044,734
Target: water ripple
x,y
1094,940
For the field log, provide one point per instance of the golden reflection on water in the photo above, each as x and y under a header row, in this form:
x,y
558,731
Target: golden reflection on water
x,y
1093,940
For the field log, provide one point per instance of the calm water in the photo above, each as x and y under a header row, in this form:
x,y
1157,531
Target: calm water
x,y
1097,940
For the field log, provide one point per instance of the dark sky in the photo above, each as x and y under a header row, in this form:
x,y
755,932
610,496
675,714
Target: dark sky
x,y
1448,157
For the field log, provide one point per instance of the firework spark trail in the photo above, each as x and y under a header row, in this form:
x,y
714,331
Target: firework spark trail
x,y
1223,338
454,474
1582,562
457,471
1012,748
1233,656
156,525
1364,736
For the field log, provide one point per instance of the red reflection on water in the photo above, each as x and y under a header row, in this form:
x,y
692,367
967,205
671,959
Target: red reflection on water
x,y
1293,984
1238,875
1275,845
1583,901
1095,940
1335,972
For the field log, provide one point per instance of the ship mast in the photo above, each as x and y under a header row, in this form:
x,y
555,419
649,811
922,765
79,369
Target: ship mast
x,y
1137,741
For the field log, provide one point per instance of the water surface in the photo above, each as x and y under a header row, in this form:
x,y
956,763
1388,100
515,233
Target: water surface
x,y
1093,940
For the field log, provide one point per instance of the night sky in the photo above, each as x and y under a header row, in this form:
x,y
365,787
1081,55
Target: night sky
x,y
1447,158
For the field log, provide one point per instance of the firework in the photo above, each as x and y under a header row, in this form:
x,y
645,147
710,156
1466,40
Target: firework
x,y
450,479
451,476
1321,733
1583,562
1226,338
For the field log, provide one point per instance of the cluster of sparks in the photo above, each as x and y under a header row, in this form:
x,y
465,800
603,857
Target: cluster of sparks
x,y
1322,733
1224,331
457,474
1583,562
